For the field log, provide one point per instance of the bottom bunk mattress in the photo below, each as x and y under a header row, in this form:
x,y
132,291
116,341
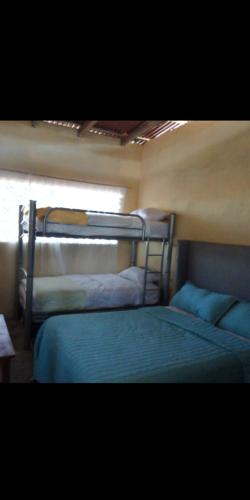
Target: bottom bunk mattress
x,y
147,345
78,292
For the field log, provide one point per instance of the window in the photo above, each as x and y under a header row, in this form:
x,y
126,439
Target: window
x,y
17,189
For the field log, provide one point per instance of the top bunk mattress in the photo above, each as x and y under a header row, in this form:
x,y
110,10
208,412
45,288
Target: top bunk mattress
x,y
101,225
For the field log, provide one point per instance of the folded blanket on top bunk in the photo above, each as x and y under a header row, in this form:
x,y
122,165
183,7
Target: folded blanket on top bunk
x,y
78,292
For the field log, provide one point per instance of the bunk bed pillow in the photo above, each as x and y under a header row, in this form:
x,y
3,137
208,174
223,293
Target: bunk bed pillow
x,y
153,214
209,306
136,274
237,319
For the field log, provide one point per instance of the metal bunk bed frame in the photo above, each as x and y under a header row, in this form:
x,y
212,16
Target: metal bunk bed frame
x,y
32,233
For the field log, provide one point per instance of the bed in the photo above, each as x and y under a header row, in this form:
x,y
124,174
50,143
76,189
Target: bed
x,y
77,292
147,345
81,292
154,344
96,225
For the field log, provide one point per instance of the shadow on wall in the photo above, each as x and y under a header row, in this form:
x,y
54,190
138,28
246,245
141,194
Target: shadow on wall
x,y
117,152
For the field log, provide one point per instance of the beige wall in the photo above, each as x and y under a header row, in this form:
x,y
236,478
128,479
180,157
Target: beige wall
x,y
58,152
202,172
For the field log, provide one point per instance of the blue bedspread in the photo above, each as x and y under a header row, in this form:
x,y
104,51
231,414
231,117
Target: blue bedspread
x,y
144,345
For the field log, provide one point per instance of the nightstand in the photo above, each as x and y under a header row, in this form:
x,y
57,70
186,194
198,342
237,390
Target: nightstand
x,y
7,351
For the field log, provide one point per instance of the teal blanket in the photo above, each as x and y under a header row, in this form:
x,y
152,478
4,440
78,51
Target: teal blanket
x,y
144,345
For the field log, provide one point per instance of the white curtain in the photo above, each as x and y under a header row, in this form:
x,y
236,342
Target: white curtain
x,y
17,189
59,256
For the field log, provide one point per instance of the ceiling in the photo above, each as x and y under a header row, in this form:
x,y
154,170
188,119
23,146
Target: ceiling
x,y
127,131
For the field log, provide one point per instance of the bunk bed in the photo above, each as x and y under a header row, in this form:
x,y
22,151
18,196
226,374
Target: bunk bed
x,y
60,222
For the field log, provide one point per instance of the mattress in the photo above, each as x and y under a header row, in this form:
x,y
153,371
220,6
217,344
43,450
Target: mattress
x,y
77,292
150,345
118,226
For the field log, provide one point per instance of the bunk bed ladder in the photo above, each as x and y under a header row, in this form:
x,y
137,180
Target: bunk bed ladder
x,y
164,276
147,270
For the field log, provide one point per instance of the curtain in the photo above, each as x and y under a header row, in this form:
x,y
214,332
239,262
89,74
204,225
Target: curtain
x,y
17,189
53,256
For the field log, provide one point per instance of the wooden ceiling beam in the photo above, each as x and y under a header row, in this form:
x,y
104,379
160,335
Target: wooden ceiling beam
x,y
87,125
143,127
109,132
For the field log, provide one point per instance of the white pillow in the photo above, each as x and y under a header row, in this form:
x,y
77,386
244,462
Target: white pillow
x,y
136,274
151,213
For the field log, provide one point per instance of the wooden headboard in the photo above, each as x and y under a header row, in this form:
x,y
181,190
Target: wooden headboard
x,y
218,267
